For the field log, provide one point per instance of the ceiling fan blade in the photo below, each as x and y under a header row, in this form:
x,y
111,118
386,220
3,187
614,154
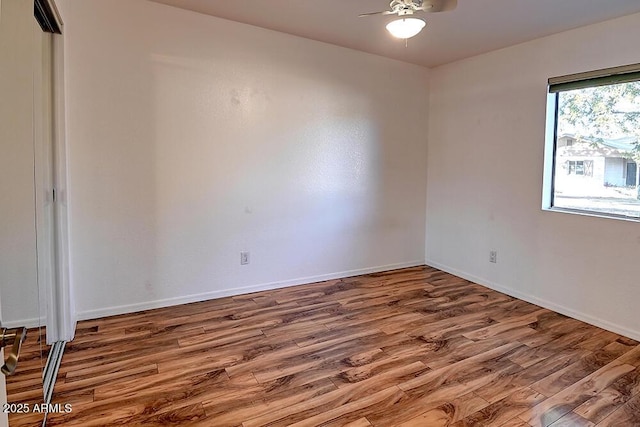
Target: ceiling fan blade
x,y
439,5
386,12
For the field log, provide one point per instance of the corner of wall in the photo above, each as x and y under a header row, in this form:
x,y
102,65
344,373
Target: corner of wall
x,y
575,314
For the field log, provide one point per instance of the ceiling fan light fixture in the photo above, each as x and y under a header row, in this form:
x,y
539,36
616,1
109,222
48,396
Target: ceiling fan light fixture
x,y
405,28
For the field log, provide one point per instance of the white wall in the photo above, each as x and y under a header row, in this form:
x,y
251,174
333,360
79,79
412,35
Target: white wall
x,y
18,264
485,165
193,138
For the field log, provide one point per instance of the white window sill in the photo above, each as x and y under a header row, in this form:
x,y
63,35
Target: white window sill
x,y
592,214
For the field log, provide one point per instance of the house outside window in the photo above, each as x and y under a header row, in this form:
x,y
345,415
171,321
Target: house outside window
x,y
579,167
593,143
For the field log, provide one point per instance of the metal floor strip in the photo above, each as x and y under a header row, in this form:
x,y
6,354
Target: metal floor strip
x,y
51,372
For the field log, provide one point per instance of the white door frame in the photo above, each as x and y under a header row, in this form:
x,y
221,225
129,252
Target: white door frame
x,y
53,250
65,315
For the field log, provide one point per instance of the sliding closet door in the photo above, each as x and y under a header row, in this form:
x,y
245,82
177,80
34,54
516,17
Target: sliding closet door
x,y
26,205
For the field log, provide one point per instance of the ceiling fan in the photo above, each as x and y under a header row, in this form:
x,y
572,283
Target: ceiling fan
x,y
408,26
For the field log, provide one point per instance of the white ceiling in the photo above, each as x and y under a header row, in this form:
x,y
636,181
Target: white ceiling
x,y
475,27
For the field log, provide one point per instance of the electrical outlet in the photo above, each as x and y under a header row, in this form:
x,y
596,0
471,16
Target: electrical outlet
x,y
493,256
244,258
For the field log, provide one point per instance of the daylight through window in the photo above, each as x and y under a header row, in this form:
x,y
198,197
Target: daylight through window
x,y
596,143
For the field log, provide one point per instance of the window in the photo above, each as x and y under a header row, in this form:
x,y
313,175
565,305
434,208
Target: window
x,y
593,143
579,167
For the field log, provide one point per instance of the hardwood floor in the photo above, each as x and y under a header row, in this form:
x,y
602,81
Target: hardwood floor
x,y
413,347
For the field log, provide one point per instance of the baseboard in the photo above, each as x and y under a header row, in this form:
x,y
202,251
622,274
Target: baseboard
x,y
168,302
584,317
27,323
73,327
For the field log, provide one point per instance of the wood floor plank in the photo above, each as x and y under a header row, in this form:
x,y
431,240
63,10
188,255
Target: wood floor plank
x,y
632,357
502,411
600,406
385,398
565,401
412,347
575,372
361,422
627,415
516,422
506,385
448,414
276,408
507,325
572,420
617,394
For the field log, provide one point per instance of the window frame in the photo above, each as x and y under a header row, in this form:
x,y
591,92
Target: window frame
x,y
555,86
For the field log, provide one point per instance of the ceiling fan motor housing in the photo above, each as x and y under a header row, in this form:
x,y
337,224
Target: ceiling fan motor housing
x,y
406,6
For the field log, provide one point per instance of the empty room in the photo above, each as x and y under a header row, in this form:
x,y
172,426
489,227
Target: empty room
x,y
320,212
